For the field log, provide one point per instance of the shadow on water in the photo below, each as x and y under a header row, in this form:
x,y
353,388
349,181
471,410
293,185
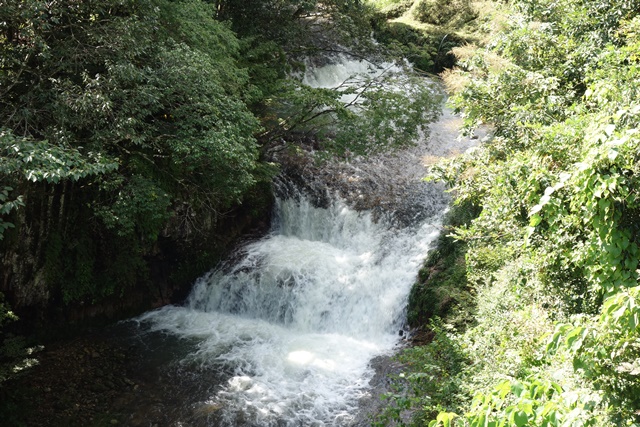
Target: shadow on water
x,y
166,388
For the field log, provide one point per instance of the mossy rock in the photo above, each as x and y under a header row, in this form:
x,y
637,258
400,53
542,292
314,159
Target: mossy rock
x,y
443,12
442,289
428,50
395,10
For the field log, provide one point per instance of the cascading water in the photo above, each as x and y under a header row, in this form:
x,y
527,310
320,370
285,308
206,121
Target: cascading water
x,y
297,319
291,325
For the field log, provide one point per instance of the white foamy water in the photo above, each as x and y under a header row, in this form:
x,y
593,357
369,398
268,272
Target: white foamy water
x,y
344,70
298,317
344,74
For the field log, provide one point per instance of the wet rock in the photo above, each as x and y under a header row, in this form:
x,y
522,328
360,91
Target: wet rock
x,y
390,186
99,387
207,410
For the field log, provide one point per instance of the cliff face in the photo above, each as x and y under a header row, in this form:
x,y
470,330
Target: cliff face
x,y
62,267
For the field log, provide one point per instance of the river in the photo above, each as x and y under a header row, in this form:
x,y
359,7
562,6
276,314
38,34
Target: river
x,y
284,333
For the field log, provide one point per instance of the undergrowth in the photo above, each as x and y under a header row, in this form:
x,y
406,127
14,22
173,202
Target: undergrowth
x,y
426,31
551,261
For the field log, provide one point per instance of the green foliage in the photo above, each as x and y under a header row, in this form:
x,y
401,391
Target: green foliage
x,y
139,206
392,8
443,12
523,403
268,67
302,27
84,270
40,161
440,303
6,206
6,315
35,161
145,113
553,256
430,383
147,102
442,289
392,113
425,32
364,115
605,349
429,51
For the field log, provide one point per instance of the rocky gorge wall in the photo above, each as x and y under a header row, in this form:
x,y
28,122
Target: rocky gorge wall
x,y
60,267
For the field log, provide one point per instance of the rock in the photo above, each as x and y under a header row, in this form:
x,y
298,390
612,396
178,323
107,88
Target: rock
x,y
98,387
208,409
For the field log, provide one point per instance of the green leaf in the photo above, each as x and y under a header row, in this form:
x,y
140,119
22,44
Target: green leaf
x,y
520,419
574,337
517,388
535,220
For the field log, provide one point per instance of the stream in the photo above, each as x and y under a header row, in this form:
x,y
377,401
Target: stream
x,y
286,331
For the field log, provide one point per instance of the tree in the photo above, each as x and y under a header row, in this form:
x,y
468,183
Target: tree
x,y
139,102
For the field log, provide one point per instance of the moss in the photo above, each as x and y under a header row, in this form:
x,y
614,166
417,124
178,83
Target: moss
x,y
443,12
442,289
427,48
84,275
192,259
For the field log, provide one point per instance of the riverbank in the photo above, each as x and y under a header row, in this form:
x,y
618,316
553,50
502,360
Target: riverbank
x,y
552,259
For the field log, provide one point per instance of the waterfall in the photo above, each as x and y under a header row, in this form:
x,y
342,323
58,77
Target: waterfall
x,y
292,322
301,313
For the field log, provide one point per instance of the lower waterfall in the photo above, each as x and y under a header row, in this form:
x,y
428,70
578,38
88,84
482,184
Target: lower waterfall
x,y
298,316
